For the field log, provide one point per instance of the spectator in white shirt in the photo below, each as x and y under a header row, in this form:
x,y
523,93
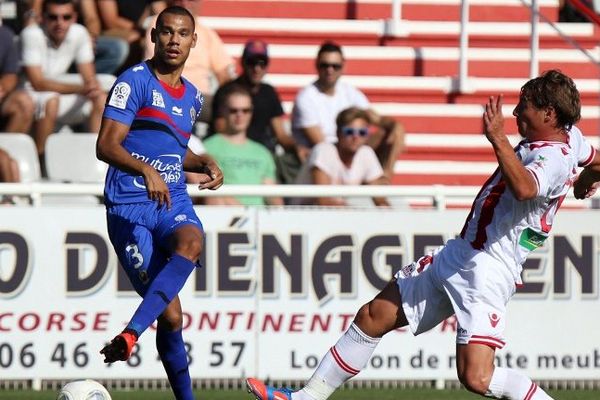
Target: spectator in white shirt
x,y
349,161
47,52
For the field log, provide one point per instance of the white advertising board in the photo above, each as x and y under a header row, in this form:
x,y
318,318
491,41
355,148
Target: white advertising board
x,y
277,289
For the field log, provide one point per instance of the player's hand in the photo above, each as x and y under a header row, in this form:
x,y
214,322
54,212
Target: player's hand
x,y
212,177
156,187
493,120
583,189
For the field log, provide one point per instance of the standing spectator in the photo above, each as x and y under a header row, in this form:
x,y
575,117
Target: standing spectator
x,y
318,104
125,19
16,106
208,60
349,161
243,161
266,126
48,52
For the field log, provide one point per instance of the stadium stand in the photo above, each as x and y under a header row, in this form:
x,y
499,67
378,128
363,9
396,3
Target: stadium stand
x,y
412,76
80,150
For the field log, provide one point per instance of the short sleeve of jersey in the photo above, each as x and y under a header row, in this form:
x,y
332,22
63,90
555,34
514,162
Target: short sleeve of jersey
x,y
584,151
126,97
549,168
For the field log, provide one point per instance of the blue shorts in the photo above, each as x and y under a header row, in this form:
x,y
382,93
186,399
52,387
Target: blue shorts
x,y
140,235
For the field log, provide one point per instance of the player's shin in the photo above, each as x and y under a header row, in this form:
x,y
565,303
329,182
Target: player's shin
x,y
171,349
161,292
509,384
343,361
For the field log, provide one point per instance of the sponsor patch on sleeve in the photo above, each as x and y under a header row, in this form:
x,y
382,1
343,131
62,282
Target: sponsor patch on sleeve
x,y
120,95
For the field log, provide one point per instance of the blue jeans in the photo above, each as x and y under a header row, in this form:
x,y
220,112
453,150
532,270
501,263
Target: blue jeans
x,y
111,52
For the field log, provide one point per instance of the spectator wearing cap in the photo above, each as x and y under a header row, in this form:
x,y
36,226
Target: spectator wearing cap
x,y
349,161
207,61
267,124
318,104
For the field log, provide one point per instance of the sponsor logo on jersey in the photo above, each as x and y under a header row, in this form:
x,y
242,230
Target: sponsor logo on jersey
x,y
169,166
531,239
120,95
180,218
177,111
494,319
138,68
157,99
192,115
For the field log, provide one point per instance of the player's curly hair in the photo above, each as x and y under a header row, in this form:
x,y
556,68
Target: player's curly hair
x,y
553,88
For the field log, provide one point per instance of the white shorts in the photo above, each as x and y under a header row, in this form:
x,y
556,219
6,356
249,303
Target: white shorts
x,y
459,280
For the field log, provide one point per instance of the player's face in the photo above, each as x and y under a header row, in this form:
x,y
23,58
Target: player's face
x,y
330,67
174,39
353,135
530,120
57,19
238,112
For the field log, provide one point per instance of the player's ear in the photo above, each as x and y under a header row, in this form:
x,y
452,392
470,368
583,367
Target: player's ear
x,y
194,38
153,35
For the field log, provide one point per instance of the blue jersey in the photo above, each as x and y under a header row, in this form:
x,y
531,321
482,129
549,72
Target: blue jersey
x,y
161,120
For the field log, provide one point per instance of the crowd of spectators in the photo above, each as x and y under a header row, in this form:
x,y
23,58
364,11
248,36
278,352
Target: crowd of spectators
x,y
60,58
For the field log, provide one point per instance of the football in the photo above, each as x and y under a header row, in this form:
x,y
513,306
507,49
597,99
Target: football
x,y
86,389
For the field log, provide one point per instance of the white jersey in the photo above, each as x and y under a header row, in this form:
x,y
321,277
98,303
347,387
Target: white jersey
x,y
509,229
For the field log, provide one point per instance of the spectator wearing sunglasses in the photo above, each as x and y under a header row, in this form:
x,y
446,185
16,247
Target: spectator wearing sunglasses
x,y
317,105
242,160
349,161
47,53
267,123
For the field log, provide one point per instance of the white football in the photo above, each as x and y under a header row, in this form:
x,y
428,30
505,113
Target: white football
x,y
85,389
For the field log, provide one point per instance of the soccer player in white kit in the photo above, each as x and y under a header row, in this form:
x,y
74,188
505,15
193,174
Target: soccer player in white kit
x,y
474,275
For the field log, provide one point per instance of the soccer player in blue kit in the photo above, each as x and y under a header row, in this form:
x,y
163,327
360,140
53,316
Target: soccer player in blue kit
x,y
155,232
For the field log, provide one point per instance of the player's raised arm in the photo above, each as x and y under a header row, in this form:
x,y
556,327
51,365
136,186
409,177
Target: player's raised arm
x,y
109,149
519,180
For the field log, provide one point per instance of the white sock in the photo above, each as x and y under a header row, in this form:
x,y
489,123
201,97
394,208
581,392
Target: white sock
x,y
509,384
344,360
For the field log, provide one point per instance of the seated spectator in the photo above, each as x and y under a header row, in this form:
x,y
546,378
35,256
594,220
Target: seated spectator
x,y
47,53
349,161
317,105
125,19
208,60
242,160
16,106
266,126
109,51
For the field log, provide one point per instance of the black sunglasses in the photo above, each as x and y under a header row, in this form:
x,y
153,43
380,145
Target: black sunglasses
x,y
56,17
239,110
256,62
324,65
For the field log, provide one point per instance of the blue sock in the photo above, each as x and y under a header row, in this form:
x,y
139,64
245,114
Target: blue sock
x,y
162,290
172,353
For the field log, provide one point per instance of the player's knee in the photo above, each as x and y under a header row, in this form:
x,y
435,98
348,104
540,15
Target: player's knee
x,y
171,320
475,380
369,319
190,248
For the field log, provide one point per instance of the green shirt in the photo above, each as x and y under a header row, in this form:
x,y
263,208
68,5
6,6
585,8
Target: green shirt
x,y
249,163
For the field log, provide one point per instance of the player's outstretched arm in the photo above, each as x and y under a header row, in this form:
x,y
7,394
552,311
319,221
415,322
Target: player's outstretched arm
x,y
518,179
110,150
211,176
